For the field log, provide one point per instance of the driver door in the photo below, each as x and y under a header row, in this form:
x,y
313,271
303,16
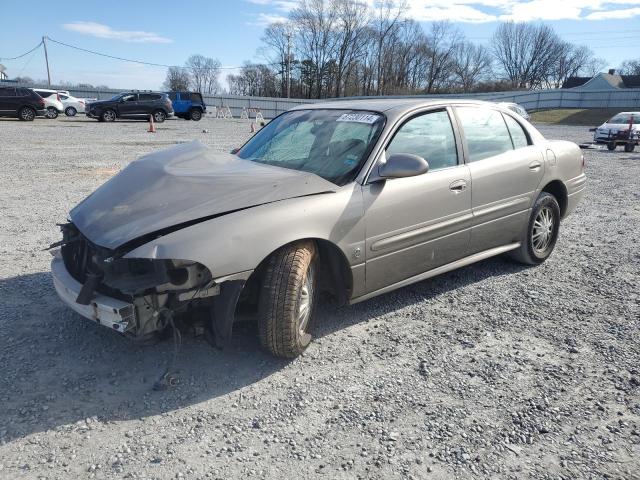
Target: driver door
x,y
128,104
418,223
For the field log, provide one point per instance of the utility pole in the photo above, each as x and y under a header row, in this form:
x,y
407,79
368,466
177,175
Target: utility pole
x,y
288,64
46,59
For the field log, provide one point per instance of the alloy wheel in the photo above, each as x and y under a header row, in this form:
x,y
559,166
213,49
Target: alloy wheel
x,y
542,233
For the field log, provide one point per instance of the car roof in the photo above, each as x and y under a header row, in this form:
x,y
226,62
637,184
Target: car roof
x,y
387,104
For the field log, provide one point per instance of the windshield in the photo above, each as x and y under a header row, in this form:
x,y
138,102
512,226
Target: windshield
x,y
625,118
330,143
116,97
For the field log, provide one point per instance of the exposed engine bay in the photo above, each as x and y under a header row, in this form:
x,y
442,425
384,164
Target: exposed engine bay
x,y
156,289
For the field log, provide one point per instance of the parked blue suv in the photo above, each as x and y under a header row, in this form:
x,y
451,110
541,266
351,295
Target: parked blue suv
x,y
188,105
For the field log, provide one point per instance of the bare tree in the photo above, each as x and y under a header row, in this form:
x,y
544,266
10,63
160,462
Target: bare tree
x,y
204,73
526,52
571,61
177,79
350,33
442,42
630,67
471,64
315,21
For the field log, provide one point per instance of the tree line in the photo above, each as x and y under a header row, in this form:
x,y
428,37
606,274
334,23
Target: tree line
x,y
346,47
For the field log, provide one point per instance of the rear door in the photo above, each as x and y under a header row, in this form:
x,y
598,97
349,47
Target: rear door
x,y
418,223
506,170
8,100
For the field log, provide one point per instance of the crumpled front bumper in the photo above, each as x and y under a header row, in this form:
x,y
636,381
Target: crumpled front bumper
x,y
109,312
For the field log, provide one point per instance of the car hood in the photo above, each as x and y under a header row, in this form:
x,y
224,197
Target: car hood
x,y
182,185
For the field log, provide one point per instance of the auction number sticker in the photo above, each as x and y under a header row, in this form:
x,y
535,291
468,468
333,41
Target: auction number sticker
x,y
358,117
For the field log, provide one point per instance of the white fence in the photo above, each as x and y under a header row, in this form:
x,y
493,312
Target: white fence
x,y
532,100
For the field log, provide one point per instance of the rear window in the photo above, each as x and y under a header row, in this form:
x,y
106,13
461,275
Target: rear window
x,y
44,94
7,92
196,97
147,97
172,95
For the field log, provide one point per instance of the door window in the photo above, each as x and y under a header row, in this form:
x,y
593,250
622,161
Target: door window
x,y
130,98
518,136
429,136
7,92
485,132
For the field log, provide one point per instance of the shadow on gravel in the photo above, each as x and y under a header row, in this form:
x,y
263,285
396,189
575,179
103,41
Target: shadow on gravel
x,y
58,369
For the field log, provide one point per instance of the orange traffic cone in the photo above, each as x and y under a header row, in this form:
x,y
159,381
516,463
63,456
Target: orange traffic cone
x,y
152,127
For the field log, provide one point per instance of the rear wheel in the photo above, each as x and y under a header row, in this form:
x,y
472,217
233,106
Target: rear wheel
x,y
70,112
52,113
287,300
159,116
629,147
27,114
108,116
195,114
542,231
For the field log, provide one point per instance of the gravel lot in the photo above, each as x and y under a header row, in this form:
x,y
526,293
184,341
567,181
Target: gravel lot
x,y
493,371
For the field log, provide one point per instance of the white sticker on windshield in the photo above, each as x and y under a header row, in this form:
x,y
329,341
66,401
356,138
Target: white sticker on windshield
x,y
358,117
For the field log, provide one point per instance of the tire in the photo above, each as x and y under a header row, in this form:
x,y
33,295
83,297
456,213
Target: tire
x,y
195,115
70,112
51,113
159,116
542,231
287,300
629,147
27,114
611,146
108,116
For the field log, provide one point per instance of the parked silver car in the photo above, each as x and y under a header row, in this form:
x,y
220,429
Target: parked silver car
x,y
622,129
354,198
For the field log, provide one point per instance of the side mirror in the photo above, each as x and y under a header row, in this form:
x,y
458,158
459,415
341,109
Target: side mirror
x,y
592,129
400,165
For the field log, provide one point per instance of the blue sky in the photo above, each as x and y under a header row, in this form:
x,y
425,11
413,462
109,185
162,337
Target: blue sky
x,y
230,30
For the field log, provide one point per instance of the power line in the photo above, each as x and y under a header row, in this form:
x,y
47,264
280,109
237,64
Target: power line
x,y
141,62
24,54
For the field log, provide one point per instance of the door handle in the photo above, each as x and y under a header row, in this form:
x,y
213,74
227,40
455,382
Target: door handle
x,y
458,186
535,166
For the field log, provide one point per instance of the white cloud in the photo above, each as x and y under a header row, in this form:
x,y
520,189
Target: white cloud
x,y
100,30
613,14
265,19
478,11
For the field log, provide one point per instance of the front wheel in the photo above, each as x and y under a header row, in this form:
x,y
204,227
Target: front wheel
x,y
542,231
611,146
629,147
70,112
159,116
108,116
287,300
51,113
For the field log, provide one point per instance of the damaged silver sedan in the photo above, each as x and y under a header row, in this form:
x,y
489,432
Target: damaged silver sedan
x,y
352,198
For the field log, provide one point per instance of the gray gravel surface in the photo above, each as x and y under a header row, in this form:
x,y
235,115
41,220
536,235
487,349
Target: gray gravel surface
x,y
492,371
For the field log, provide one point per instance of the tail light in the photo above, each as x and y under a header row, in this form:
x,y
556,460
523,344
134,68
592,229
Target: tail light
x,y
58,96
41,101
81,102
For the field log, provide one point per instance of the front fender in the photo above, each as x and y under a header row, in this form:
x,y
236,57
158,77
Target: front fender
x,y
240,241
